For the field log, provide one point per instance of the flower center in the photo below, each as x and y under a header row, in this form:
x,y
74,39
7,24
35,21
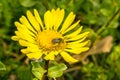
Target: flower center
x,y
49,40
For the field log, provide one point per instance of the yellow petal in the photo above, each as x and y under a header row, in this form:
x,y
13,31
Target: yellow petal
x,y
25,51
38,18
36,55
15,38
79,36
30,50
54,17
34,48
67,57
23,28
50,56
73,34
26,43
72,27
78,41
56,52
25,36
67,22
59,16
33,21
77,45
23,42
25,22
77,50
48,20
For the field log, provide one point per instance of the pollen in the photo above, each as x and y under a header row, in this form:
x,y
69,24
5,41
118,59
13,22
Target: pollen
x,y
50,40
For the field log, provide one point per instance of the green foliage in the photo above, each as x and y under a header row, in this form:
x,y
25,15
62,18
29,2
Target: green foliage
x,y
37,70
100,17
27,3
114,61
2,66
56,70
23,73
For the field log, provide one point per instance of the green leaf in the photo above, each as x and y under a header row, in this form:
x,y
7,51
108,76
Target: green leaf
x,y
56,70
2,66
115,55
27,3
22,72
35,79
37,70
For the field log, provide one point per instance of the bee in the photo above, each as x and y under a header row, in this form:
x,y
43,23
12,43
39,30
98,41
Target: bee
x,y
57,40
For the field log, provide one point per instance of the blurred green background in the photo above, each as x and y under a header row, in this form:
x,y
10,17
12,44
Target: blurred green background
x,y
100,17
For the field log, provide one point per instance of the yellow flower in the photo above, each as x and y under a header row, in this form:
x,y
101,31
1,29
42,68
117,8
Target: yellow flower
x,y
51,37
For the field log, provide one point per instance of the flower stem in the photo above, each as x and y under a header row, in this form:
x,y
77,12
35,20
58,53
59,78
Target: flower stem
x,y
45,77
108,22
